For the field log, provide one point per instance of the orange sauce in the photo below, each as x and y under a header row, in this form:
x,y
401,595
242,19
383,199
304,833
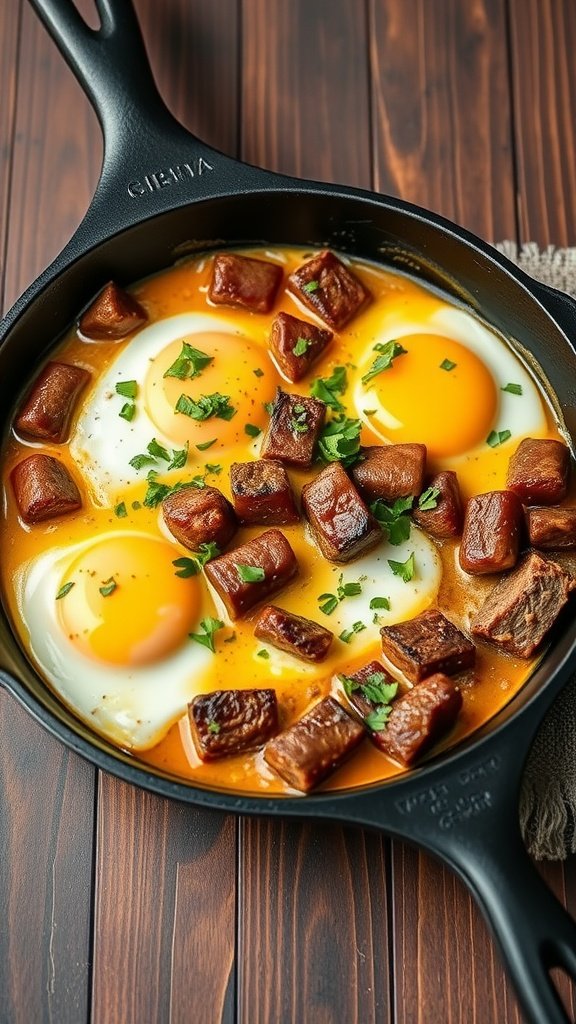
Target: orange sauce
x,y
182,288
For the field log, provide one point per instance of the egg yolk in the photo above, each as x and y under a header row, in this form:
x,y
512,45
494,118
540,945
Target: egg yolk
x,y
438,393
126,605
240,370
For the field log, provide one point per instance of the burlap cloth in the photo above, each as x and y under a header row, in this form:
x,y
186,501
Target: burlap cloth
x,y
548,798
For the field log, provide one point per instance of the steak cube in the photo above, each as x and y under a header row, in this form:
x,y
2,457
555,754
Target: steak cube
x,y
538,471
301,637
550,528
390,471
340,522
297,344
244,282
198,516
523,606
112,315
294,429
419,719
493,528
252,572
428,644
326,286
44,489
49,406
445,518
232,721
315,745
261,493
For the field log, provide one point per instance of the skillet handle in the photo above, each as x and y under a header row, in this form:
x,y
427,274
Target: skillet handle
x,y
151,162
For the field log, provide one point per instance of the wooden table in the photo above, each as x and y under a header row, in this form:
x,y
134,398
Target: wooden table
x,y
120,908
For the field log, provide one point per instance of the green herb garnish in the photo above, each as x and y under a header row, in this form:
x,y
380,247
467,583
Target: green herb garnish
x,y
405,570
299,418
252,430
258,372
513,389
347,634
311,287
393,519
139,461
206,445
447,364
120,510
250,573
179,458
194,563
127,412
65,589
207,406
301,347
496,437
213,727
429,499
380,602
127,388
389,351
189,363
108,587
263,654
157,451
209,627
327,388
340,441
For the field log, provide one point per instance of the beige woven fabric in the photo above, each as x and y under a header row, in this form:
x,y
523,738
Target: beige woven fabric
x,y
548,799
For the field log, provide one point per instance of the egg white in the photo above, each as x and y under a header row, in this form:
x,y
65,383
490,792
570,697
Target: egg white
x,y
133,706
103,442
524,417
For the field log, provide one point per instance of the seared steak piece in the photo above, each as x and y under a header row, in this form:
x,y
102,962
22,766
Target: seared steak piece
x,y
340,522
48,408
112,315
523,606
261,493
550,528
538,471
445,518
390,471
297,344
419,719
314,746
44,489
232,721
428,644
293,430
252,572
329,288
198,516
302,637
493,527
245,282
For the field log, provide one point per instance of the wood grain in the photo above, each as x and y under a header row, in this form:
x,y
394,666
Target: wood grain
x,y
10,22
544,91
441,111
165,911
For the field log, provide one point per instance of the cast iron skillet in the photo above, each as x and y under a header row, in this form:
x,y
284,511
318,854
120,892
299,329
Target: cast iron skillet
x,y
163,192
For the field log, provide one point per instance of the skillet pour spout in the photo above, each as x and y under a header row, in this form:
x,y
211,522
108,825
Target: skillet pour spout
x,y
162,193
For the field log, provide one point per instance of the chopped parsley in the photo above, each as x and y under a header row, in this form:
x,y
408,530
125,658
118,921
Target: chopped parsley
x,y
448,365
298,422
327,388
393,519
128,411
380,602
205,445
136,505
340,441
347,634
139,461
329,602
250,573
377,720
179,457
207,406
301,347
513,389
429,499
157,451
209,627
65,589
120,510
213,727
496,437
213,467
263,653
258,372
311,287
189,363
405,570
378,692
269,406
108,587
389,351
194,563
252,430
127,388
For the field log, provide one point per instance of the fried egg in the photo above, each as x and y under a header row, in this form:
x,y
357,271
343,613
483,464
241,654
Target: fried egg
x,y
104,442
447,390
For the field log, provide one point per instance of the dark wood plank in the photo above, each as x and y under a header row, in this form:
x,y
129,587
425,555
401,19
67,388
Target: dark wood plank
x,y
442,131
313,935
441,115
168,914
542,39
10,23
46,831
165,907
305,100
